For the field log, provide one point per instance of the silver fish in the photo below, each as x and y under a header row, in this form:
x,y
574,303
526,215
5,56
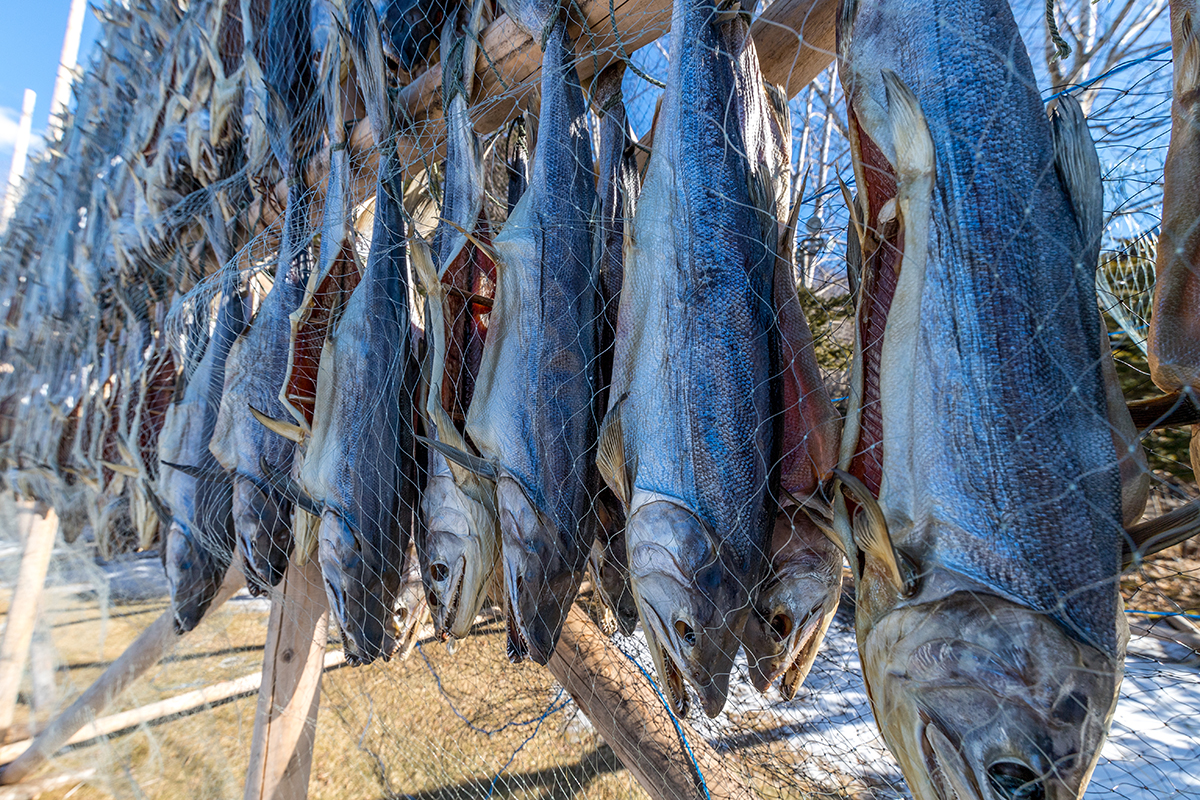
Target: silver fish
x,y
258,361
1174,340
533,416
689,438
799,595
981,505
458,541
365,476
195,491
617,187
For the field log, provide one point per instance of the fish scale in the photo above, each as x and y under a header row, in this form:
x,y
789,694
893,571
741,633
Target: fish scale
x,y
689,439
986,561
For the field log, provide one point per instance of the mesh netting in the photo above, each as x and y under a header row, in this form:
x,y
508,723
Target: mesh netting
x,y
500,400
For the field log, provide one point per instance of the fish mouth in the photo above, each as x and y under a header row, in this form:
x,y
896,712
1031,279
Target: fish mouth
x,y
517,645
448,618
670,676
799,657
981,698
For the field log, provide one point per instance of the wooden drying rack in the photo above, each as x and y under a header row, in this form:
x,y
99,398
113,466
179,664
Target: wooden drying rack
x,y
795,42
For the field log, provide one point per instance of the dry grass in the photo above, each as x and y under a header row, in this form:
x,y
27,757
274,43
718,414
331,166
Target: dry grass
x,y
386,730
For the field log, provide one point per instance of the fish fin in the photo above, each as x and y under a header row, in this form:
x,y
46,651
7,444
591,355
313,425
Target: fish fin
x,y
783,248
1165,530
125,451
199,473
610,454
305,528
871,534
487,249
288,430
1172,410
855,213
1078,168
291,490
420,255
910,132
473,463
1187,69
160,508
121,469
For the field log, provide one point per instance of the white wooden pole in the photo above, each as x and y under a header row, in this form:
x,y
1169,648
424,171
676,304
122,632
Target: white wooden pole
x,y
23,610
285,723
16,170
147,650
179,704
66,70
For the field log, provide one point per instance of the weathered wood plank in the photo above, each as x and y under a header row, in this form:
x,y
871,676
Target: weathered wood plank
x,y
619,701
285,722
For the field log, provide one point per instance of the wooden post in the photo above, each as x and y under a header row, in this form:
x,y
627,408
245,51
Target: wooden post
x,y
41,531
285,723
147,650
618,700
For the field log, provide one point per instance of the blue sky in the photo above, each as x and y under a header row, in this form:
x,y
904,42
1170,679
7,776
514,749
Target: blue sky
x,y
31,35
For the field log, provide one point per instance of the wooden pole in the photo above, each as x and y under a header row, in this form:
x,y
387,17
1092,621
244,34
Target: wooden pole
x,y
285,722
794,39
620,702
41,531
147,650
150,712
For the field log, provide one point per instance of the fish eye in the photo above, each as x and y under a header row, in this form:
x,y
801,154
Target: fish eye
x,y
1014,781
781,624
439,572
685,632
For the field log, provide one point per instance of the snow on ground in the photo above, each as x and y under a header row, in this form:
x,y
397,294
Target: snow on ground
x,y
1153,750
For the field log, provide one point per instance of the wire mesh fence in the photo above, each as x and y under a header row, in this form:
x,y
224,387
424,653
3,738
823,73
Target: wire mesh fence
x,y
534,363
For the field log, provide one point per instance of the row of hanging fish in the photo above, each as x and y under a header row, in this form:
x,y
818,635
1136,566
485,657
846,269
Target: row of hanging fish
x,y
617,383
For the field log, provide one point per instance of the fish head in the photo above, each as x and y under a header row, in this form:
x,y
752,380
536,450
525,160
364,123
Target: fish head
x,y
262,519
539,573
983,699
794,606
692,610
610,574
194,574
458,548
362,592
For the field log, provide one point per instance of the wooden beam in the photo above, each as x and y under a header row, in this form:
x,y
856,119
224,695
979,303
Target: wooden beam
x,y
41,529
147,650
285,722
620,702
794,39
151,712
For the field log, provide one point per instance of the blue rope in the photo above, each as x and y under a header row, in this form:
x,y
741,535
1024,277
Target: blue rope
x,y
1160,614
674,721
528,739
1118,68
552,709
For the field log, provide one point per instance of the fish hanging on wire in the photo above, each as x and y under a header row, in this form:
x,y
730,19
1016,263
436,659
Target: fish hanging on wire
x,y
689,439
981,504
458,541
532,417
194,493
257,364
365,479
617,187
